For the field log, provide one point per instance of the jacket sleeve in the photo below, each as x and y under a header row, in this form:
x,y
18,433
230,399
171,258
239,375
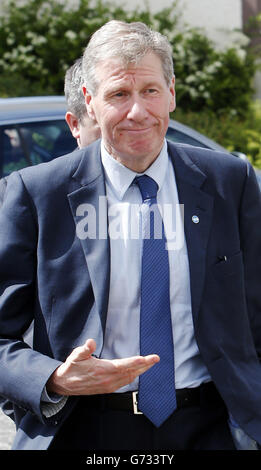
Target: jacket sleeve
x,y
23,371
250,230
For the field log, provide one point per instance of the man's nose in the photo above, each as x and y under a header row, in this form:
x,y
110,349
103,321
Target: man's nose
x,y
137,111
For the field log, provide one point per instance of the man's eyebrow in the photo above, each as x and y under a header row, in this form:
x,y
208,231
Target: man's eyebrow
x,y
152,84
126,87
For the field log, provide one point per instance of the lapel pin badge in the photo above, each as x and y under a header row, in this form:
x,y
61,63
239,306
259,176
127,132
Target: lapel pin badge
x,y
195,219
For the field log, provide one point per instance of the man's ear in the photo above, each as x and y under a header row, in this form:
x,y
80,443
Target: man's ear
x,y
73,124
88,103
172,105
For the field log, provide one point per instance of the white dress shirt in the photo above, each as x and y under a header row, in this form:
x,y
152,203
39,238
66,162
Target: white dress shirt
x,y
124,210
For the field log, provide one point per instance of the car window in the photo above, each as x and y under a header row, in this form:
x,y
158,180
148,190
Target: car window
x,y
31,143
178,136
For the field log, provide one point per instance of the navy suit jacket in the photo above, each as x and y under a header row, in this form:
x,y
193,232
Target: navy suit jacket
x,y
50,276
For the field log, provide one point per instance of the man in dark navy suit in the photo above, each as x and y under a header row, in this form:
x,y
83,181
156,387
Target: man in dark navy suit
x,y
73,260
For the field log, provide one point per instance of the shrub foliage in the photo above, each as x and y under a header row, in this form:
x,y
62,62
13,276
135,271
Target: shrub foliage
x,y
40,39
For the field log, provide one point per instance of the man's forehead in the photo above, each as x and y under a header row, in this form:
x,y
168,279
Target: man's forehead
x,y
114,69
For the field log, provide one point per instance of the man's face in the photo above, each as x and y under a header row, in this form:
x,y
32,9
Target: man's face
x,y
89,131
85,130
132,108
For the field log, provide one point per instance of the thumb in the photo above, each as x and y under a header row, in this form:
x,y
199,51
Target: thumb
x,y
83,352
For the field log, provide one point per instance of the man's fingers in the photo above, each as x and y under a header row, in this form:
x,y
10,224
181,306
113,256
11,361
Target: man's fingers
x,y
137,364
147,362
150,361
139,361
128,369
83,352
83,375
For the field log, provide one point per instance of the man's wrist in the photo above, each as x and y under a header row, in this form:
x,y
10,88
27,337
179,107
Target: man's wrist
x,y
55,383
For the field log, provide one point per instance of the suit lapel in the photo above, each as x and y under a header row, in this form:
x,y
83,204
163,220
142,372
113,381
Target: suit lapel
x,y
199,204
91,197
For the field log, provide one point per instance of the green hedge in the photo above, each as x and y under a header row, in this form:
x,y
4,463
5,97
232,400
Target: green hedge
x,y
231,131
40,39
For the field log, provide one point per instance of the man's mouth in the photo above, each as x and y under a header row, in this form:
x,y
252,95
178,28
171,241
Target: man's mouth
x,y
136,130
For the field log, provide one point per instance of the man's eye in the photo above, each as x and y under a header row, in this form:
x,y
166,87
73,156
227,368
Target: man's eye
x,y
151,91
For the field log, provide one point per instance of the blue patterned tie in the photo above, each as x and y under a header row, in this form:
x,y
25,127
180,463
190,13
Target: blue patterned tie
x,y
157,396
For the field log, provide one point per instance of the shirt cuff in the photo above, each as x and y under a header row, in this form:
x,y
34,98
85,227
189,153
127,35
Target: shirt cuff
x,y
51,403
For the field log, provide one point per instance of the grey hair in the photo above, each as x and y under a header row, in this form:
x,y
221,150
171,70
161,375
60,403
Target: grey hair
x,y
129,42
73,90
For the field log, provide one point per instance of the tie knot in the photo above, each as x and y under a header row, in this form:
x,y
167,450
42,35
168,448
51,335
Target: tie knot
x,y
147,186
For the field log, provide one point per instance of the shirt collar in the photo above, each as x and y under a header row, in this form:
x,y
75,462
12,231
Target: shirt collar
x,y
119,177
